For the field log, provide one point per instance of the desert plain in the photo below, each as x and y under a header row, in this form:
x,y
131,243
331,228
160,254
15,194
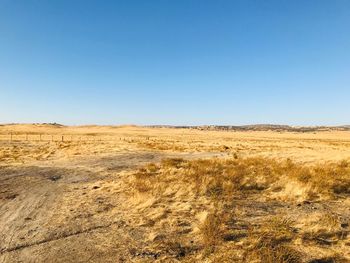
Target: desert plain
x,y
162,194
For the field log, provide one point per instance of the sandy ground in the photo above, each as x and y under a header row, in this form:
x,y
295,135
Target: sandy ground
x,y
72,201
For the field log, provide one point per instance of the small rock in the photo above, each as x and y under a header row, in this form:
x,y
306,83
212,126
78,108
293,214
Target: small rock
x,y
55,178
344,225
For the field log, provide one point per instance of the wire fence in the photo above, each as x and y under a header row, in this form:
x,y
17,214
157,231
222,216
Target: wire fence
x,y
44,137
63,138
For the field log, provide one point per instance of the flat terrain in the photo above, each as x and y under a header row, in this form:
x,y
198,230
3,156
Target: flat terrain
x,y
134,194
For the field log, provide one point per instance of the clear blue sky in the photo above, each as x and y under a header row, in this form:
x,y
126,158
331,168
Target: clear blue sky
x,y
175,62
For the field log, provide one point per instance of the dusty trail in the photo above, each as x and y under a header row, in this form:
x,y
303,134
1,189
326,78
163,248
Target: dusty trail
x,y
50,207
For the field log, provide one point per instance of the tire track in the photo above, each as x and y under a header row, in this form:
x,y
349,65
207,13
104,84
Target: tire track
x,y
63,236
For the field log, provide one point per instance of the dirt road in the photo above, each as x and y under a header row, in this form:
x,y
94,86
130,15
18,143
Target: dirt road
x,y
69,211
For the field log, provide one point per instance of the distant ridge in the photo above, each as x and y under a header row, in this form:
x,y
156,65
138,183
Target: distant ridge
x,y
253,127
259,127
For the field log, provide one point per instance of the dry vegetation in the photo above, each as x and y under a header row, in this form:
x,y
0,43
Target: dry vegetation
x,y
235,190
133,194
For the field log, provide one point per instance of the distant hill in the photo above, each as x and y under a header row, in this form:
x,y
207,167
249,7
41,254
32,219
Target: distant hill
x,y
260,127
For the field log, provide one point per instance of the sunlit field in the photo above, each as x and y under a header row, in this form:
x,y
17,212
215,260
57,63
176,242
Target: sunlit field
x,y
135,194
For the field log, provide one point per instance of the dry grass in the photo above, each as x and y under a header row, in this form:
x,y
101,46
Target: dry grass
x,y
212,231
327,230
270,242
267,197
271,238
221,178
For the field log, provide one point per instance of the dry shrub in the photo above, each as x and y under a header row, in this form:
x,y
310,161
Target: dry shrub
x,y
221,178
270,242
344,164
331,221
145,177
328,231
211,230
142,185
150,170
330,259
332,178
273,232
173,162
215,188
279,254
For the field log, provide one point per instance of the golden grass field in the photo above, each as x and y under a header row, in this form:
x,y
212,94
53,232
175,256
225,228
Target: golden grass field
x,y
135,194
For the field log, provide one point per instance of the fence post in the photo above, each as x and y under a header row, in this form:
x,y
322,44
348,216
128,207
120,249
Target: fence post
x,y
62,138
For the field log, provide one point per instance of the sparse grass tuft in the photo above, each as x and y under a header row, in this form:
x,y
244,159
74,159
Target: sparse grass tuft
x,y
278,254
145,176
173,162
328,231
212,231
270,242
